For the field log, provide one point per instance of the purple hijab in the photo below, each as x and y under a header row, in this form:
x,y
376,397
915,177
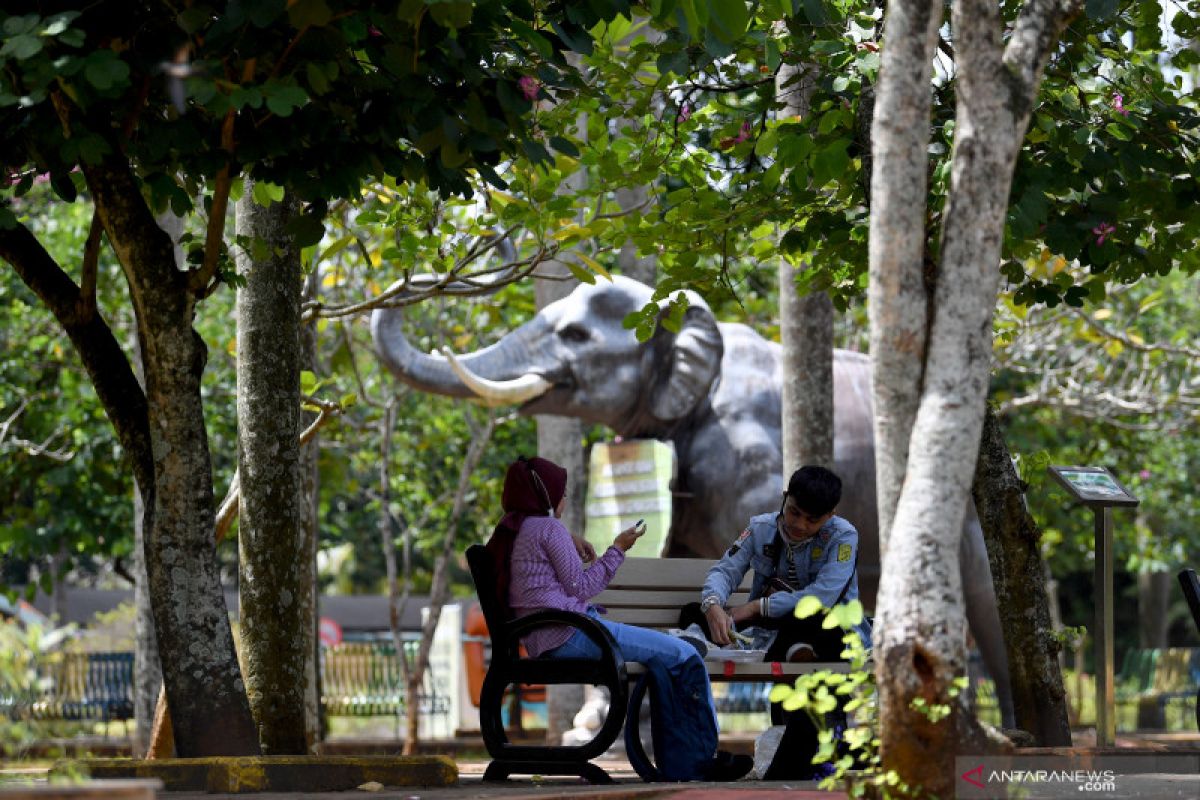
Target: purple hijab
x,y
533,487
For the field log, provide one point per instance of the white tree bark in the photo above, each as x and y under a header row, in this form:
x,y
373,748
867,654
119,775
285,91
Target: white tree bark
x,y
926,466
560,439
896,245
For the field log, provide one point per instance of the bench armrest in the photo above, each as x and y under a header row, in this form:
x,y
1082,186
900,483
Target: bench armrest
x,y
599,634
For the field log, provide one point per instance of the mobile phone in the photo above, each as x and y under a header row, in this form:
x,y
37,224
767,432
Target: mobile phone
x,y
639,527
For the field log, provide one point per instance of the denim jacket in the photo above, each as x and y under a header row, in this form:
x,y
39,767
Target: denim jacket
x,y
824,565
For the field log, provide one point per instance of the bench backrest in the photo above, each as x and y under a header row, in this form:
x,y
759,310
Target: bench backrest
x,y
479,560
649,592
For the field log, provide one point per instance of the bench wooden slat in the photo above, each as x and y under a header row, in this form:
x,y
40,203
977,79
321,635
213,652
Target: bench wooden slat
x,y
651,598
757,672
645,617
686,574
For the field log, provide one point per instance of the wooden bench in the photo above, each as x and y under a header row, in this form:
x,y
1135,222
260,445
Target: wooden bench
x,y
1151,680
648,592
363,679
75,686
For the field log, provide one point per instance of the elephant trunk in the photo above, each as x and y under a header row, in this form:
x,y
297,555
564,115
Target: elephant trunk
x,y
497,365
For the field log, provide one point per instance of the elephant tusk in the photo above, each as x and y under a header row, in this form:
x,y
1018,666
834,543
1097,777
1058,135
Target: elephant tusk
x,y
498,393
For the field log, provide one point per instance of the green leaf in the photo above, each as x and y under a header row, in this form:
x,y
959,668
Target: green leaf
x,y
593,264
451,15
307,230
575,36
780,692
1119,131
262,13
830,162
316,77
193,19
579,272
844,615
808,606
675,63
265,193
63,186
309,13
22,46
815,11
1100,9
104,70
564,146
727,19
15,26
285,99
539,43
242,96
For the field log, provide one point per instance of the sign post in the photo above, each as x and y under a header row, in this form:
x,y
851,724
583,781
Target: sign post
x,y
1097,488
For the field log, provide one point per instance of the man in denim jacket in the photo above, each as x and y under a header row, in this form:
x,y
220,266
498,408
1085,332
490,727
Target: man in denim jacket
x,y
803,549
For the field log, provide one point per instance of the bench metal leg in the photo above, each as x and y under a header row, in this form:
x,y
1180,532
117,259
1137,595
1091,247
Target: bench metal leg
x,y
498,771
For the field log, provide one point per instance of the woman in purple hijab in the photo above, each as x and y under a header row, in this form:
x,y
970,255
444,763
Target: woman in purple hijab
x,y
539,565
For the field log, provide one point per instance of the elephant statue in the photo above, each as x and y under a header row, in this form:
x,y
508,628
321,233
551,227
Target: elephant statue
x,y
713,390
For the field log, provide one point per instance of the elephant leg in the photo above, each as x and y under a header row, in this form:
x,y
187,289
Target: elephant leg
x,y
983,616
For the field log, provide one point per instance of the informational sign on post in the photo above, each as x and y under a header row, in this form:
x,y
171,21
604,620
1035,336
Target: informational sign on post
x,y
627,481
1100,490
1093,486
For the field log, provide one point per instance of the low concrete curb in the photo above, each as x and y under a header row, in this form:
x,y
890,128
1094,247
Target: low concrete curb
x,y
273,773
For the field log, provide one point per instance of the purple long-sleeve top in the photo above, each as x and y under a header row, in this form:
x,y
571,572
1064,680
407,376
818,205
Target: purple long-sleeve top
x,y
548,573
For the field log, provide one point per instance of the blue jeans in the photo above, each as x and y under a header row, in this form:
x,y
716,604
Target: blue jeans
x,y
642,645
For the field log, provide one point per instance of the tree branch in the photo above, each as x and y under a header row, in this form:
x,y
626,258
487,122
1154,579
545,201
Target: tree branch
x,y
112,375
228,510
1029,47
199,280
89,268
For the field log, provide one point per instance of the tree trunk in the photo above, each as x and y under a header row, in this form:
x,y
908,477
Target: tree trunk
x,y
897,298
162,430
640,268
275,572
310,529
204,686
148,668
147,680
939,368
805,329
806,336
1018,575
1154,598
560,439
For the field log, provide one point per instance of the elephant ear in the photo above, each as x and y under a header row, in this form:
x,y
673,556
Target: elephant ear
x,y
691,361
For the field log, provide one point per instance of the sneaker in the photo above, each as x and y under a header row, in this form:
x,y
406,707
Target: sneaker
x,y
727,767
801,653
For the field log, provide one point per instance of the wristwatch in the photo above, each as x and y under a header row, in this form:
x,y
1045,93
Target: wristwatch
x,y
708,603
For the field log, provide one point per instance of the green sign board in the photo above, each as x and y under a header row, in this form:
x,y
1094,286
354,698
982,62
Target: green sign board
x,y
627,481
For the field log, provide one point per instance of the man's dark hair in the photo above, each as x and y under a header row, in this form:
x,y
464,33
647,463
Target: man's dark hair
x,y
815,490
